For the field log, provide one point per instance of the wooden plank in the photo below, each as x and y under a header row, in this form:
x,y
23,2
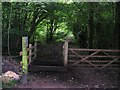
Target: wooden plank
x,y
33,53
107,50
93,61
37,68
30,52
35,49
76,54
109,63
32,59
48,62
85,58
32,47
101,56
88,65
109,55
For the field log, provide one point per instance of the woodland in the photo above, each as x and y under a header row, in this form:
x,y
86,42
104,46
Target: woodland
x,y
88,25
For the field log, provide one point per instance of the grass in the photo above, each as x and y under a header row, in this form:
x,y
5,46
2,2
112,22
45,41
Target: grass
x,y
10,84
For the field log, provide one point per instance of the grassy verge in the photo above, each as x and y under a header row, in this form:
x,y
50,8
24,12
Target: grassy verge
x,y
10,84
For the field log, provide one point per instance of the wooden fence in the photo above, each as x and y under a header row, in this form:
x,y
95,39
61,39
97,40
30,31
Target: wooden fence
x,y
27,57
98,58
32,52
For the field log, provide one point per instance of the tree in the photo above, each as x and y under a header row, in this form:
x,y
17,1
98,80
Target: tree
x,y
91,25
117,27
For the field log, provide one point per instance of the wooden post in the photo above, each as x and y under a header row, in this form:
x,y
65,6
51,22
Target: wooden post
x,y
24,59
35,49
66,53
30,52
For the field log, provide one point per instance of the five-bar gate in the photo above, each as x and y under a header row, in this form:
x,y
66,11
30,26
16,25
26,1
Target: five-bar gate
x,y
98,58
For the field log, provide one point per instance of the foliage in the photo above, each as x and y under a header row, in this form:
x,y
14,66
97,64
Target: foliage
x,y
10,84
90,25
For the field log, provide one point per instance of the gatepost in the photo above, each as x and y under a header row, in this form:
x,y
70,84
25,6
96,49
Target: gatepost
x,y
24,59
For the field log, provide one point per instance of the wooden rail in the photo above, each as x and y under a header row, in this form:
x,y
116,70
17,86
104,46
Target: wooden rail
x,y
107,58
32,52
104,50
95,56
98,58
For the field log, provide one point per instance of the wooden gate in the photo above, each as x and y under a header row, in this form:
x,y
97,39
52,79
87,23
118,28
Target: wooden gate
x,y
98,58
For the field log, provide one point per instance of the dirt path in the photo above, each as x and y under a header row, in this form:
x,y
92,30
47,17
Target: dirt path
x,y
75,78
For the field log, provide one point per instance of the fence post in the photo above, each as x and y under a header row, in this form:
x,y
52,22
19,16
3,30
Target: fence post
x,y
35,49
66,53
24,59
30,52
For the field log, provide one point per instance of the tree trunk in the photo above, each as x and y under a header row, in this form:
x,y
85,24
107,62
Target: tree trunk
x,y
50,31
35,16
117,32
35,22
91,25
117,27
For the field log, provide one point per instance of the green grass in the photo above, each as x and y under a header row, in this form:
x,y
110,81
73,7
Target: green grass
x,y
10,84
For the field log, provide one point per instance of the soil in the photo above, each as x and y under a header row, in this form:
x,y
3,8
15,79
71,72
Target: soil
x,y
76,77
9,64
